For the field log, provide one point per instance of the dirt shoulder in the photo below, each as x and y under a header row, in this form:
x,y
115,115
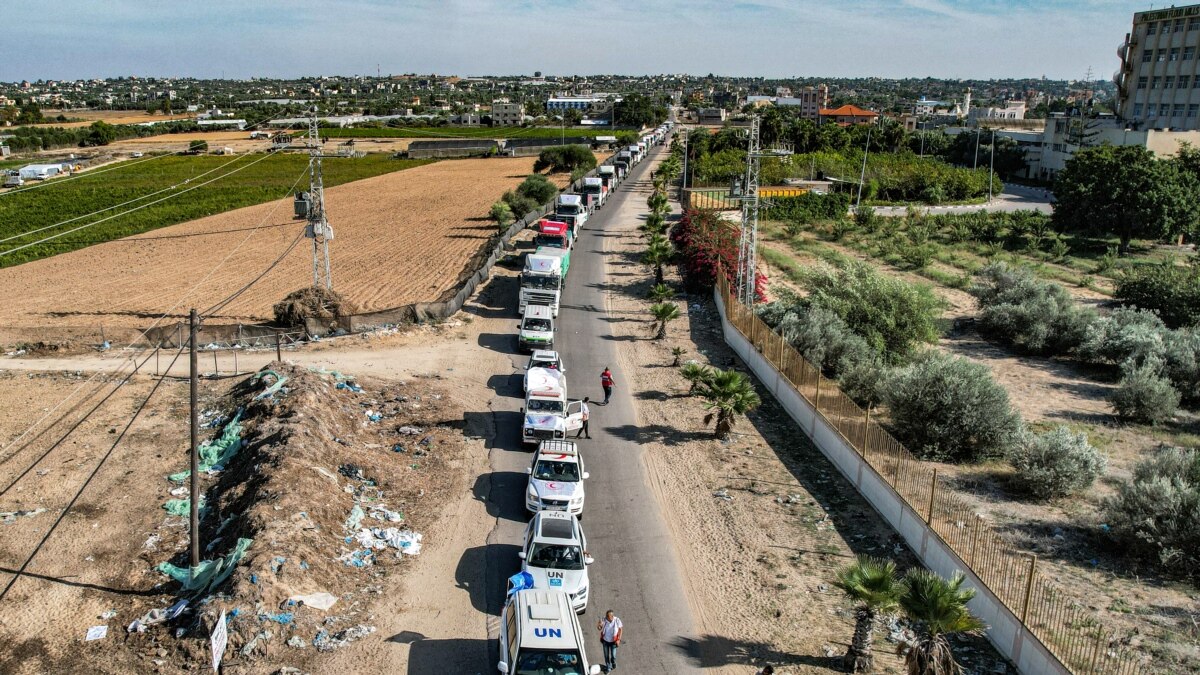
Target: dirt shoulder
x,y
763,520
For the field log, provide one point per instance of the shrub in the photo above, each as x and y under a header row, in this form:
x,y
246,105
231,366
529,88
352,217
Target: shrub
x,y
1169,289
1181,363
1156,514
565,158
809,207
1144,395
1125,334
948,408
892,315
520,206
865,218
1034,315
1057,463
706,242
538,188
502,214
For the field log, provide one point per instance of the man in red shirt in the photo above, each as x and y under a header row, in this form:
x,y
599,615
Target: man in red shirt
x,y
607,382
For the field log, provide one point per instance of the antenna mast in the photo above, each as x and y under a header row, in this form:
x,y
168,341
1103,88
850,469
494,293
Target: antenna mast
x,y
318,228
747,273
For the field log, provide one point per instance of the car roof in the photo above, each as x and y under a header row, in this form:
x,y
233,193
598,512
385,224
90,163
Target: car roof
x,y
541,610
557,525
543,355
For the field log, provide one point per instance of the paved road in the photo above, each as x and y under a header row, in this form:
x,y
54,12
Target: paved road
x,y
1014,198
636,572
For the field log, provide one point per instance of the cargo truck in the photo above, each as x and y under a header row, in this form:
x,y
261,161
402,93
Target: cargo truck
x,y
554,233
541,281
608,176
562,255
571,209
594,191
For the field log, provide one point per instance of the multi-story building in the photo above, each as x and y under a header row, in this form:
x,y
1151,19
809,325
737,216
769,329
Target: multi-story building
x,y
810,100
1012,110
1158,86
506,114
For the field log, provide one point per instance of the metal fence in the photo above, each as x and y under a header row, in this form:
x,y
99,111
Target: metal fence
x,y
1065,625
719,198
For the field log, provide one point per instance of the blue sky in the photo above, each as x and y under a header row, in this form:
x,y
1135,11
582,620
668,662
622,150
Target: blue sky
x,y
773,38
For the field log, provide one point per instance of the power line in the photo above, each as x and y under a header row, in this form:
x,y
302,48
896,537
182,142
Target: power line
x,y
117,206
136,208
79,493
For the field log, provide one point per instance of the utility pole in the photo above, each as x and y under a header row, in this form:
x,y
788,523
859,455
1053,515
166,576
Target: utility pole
x,y
318,228
194,455
992,167
977,135
862,177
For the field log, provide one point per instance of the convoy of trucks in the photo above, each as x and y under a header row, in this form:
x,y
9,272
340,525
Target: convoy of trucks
x,y
539,629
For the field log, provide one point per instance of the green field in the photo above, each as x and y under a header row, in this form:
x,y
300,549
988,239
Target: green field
x,y
269,179
466,132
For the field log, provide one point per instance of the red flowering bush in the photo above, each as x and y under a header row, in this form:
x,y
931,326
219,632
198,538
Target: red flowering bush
x,y
708,245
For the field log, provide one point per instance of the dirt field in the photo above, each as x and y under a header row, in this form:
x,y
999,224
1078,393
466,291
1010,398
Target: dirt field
x,y
401,238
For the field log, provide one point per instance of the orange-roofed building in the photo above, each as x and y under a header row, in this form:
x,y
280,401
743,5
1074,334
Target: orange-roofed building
x,y
848,115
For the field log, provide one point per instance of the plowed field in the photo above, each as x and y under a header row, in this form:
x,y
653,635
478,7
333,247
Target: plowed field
x,y
400,238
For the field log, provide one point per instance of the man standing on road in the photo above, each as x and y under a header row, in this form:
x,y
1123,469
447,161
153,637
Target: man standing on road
x,y
583,431
611,629
607,382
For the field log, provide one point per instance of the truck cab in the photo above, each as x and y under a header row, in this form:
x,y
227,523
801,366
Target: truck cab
x,y
537,328
572,210
541,282
539,633
635,151
622,164
554,233
608,176
595,191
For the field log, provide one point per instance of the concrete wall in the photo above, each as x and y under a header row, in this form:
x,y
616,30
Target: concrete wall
x,y
1005,631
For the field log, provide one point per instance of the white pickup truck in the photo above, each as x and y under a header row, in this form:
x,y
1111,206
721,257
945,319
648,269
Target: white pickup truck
x,y
549,414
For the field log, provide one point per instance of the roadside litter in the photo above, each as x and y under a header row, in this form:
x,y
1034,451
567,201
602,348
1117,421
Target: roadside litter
x,y
273,389
297,642
181,507
386,514
322,600
96,633
356,516
10,517
208,573
723,494
324,642
157,616
282,618
350,386
405,541
214,454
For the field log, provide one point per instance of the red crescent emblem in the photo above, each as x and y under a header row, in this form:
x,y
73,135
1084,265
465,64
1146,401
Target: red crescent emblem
x,y
552,486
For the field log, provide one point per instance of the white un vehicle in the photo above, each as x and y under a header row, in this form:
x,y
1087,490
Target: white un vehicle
x,y
540,635
543,358
556,557
556,479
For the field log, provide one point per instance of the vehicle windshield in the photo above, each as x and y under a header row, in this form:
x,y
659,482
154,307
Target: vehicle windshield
x,y
591,189
542,283
548,662
567,472
536,405
552,240
555,557
569,209
538,363
537,324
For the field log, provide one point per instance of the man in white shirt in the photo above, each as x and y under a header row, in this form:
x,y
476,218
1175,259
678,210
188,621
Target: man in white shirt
x,y
611,629
587,412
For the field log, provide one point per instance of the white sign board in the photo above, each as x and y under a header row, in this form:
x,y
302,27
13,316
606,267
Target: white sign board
x,y
220,636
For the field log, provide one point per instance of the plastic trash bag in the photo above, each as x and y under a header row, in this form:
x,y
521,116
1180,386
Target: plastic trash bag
x,y
209,573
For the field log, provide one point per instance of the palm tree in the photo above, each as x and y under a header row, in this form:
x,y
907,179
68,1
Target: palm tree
x,y
872,583
938,608
727,394
696,374
664,312
655,224
677,353
660,292
658,253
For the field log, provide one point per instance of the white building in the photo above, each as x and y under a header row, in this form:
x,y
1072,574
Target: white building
x,y
1158,85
